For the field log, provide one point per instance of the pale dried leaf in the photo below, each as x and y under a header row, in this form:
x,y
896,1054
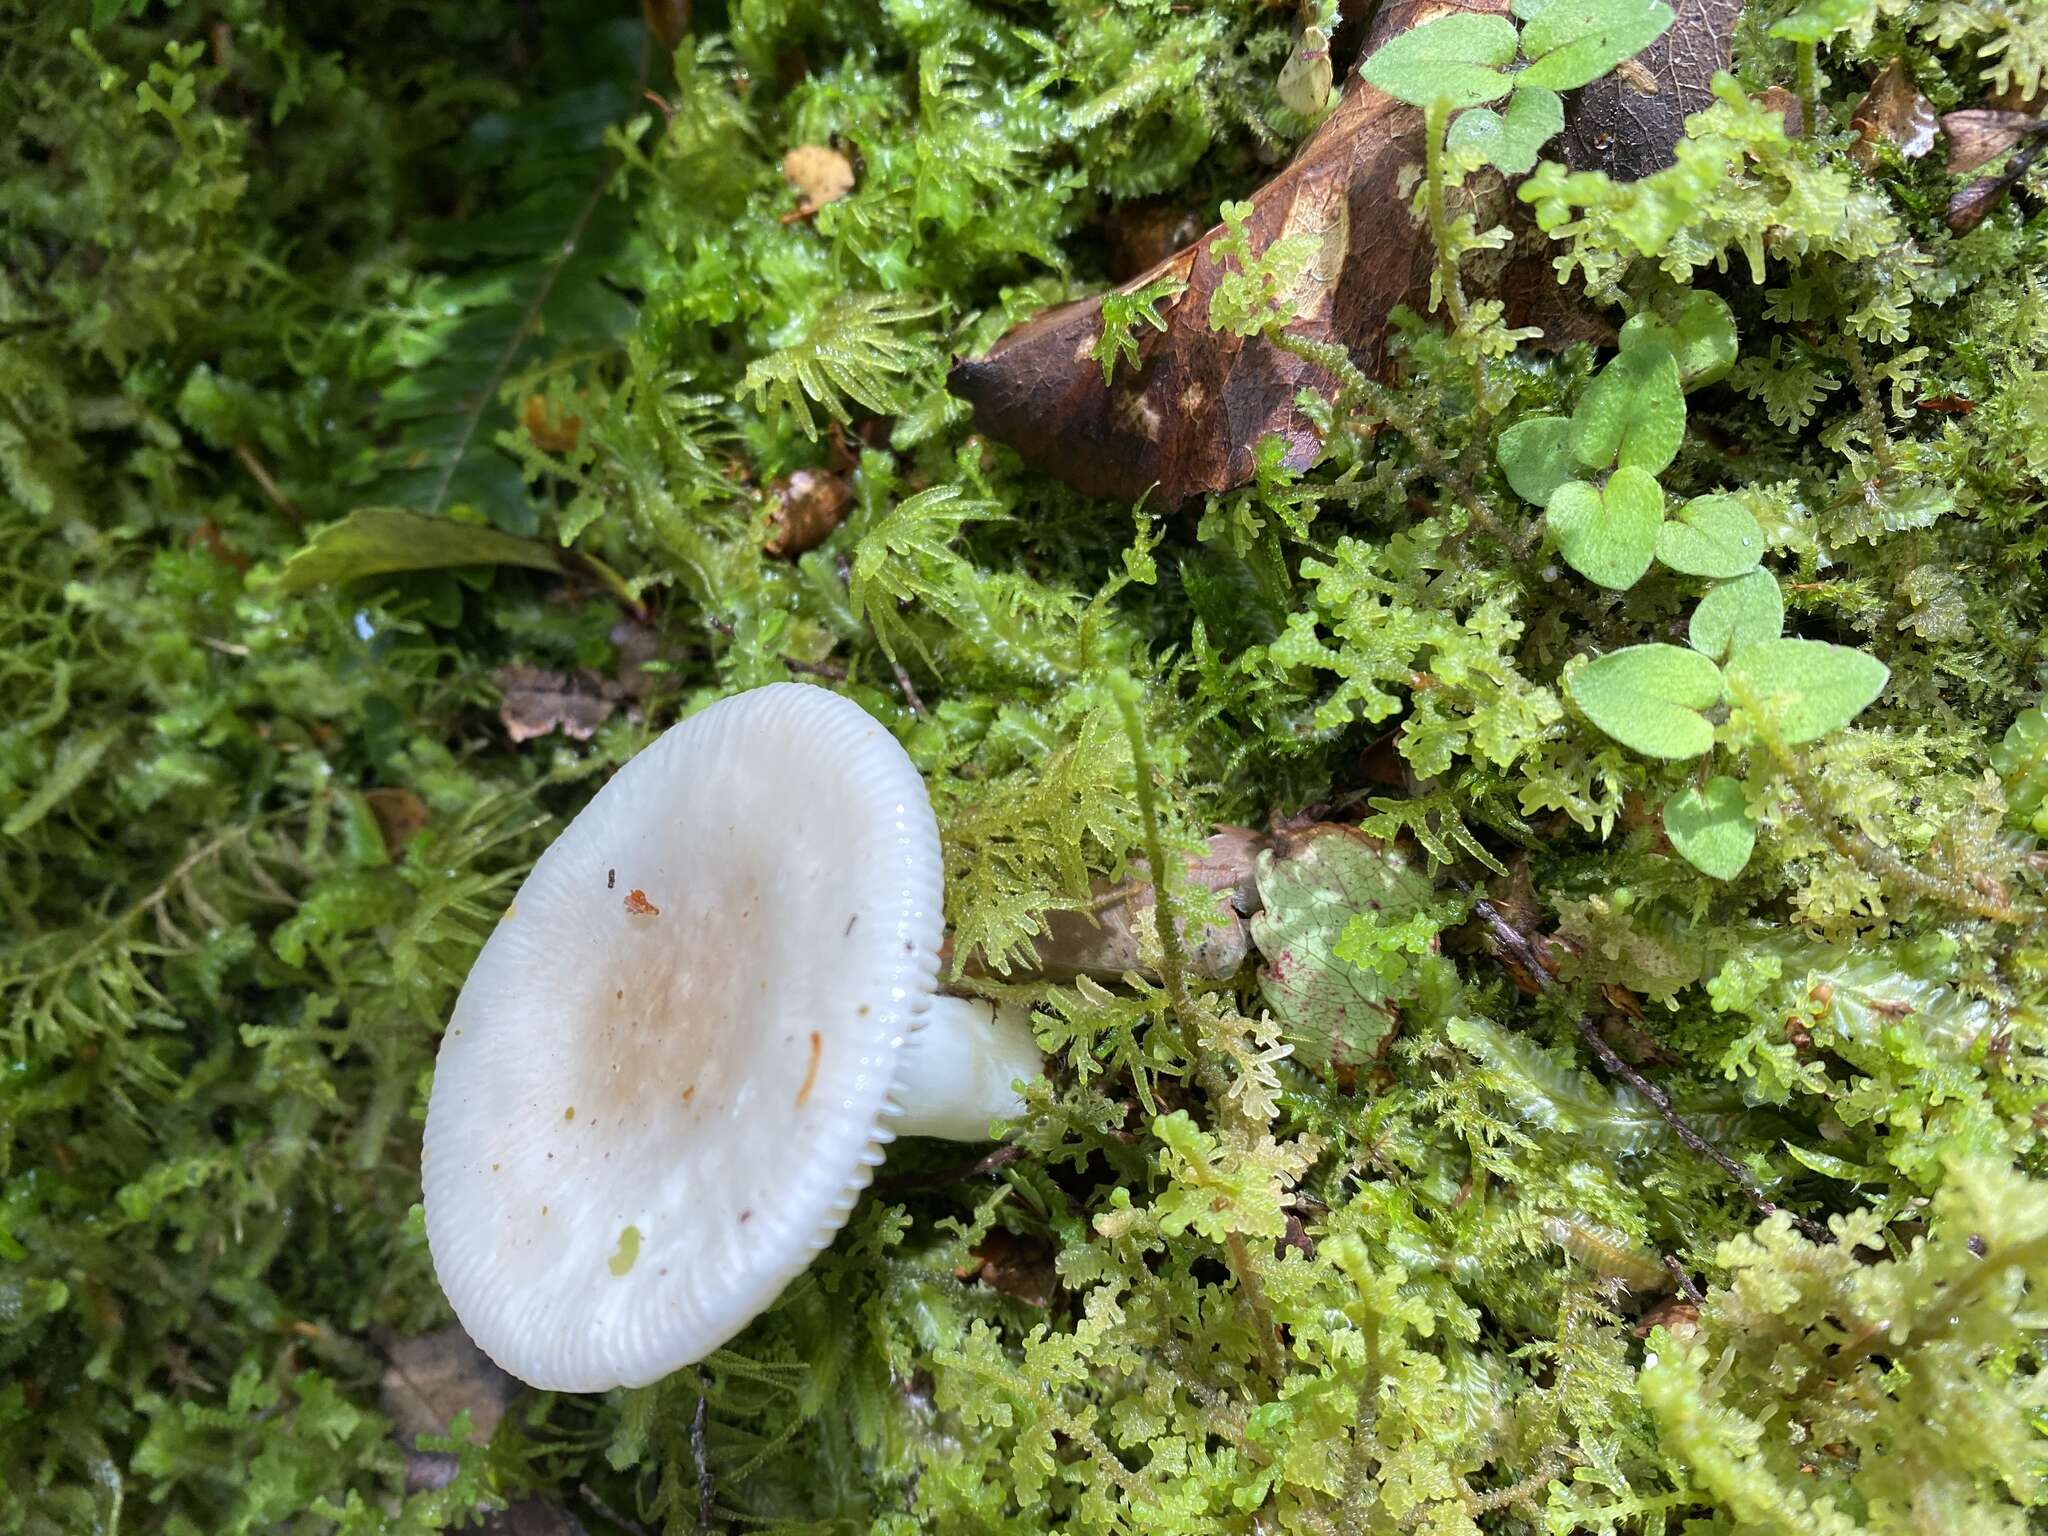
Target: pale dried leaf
x,y
1111,938
1893,112
536,702
819,172
803,508
432,1377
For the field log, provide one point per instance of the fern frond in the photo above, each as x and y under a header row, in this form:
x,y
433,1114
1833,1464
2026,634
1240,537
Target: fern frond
x,y
522,287
905,557
861,347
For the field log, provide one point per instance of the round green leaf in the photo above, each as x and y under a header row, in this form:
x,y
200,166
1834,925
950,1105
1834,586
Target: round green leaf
x,y
1698,330
2021,759
1535,454
1650,698
1511,139
1573,42
1332,1012
1710,827
1737,613
1306,77
1457,58
1633,412
1711,536
1819,20
1608,535
1807,688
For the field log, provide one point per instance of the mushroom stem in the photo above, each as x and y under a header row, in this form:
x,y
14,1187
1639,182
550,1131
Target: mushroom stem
x,y
956,1071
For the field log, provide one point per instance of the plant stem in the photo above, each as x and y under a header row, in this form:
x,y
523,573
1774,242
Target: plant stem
x,y
261,475
1364,1439
1806,88
1878,861
706,1489
1435,126
1173,970
1356,390
1172,964
1244,1270
612,582
1812,1230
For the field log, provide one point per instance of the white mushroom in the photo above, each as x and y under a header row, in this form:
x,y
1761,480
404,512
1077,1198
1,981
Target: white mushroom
x,y
679,1057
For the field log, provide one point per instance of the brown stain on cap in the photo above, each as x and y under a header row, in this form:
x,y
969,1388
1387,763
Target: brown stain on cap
x,y
811,1070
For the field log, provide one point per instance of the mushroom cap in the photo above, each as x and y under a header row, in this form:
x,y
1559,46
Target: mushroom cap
x,y
667,1079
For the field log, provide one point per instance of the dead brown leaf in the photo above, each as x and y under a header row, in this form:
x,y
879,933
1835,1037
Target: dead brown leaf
x,y
1187,418
1790,112
668,20
1893,112
1978,136
1628,124
1019,1267
1106,940
550,432
400,815
537,702
803,509
1969,207
1675,1314
1142,234
430,1378
1295,1237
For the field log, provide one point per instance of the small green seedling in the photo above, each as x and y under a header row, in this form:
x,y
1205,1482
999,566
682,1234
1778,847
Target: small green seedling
x,y
1471,62
1593,472
1656,700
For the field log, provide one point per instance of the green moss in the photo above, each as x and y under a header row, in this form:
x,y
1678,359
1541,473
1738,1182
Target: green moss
x,y
263,265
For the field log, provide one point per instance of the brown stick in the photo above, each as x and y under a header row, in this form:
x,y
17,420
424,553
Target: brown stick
x,y
261,476
705,1487
1661,1102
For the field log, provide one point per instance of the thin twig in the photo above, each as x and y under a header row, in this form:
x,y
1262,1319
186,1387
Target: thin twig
x,y
261,476
1812,1230
1686,1286
954,1174
590,1497
909,690
705,1487
1525,955
1518,946
826,669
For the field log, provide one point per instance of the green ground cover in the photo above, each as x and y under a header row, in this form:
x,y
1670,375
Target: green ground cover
x,y
264,265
